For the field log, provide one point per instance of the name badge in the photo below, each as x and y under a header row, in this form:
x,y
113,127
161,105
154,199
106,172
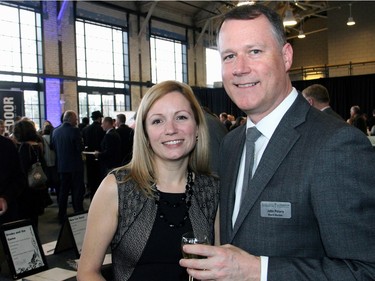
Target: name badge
x,y
278,210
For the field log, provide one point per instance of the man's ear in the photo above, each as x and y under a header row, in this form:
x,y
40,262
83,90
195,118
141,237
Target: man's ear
x,y
287,56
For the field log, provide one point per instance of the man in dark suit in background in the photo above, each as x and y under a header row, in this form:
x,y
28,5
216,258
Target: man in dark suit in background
x,y
68,145
318,97
307,213
357,119
92,138
109,155
224,119
217,131
371,123
126,134
85,122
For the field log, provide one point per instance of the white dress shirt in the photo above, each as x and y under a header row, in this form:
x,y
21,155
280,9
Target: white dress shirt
x,y
267,127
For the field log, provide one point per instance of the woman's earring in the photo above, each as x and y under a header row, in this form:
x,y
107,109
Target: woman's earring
x,y
196,138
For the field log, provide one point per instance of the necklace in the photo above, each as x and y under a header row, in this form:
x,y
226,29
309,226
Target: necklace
x,y
165,203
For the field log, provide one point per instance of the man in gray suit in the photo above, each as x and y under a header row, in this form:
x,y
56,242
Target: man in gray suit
x,y
307,213
318,97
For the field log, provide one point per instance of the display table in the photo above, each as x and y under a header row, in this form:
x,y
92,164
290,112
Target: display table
x,y
65,260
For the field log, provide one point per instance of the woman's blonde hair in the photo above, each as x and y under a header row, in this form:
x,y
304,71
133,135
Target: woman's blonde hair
x,y
142,166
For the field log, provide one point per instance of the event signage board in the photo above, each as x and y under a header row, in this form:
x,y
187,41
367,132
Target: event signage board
x,y
72,233
23,250
11,105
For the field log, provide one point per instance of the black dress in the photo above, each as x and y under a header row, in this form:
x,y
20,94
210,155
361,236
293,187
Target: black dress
x,y
160,258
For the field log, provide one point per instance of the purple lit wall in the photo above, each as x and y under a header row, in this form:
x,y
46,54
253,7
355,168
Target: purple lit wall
x,y
53,105
62,10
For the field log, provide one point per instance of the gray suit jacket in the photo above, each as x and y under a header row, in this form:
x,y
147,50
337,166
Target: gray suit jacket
x,y
333,113
323,169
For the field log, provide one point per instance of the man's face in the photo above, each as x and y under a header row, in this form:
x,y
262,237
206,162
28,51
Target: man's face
x,y
254,66
74,120
106,125
117,123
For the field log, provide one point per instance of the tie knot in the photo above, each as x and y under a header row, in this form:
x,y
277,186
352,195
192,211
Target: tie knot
x,y
252,134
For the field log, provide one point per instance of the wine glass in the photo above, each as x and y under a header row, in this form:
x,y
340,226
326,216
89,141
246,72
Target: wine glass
x,y
191,238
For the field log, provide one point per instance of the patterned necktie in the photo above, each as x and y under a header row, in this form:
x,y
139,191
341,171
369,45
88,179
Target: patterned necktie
x,y
252,135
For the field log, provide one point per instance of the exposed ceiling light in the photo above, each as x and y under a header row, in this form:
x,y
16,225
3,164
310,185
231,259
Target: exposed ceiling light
x,y
301,35
245,2
350,19
289,19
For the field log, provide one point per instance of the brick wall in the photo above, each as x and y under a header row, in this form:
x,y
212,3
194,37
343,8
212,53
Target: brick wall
x,y
340,44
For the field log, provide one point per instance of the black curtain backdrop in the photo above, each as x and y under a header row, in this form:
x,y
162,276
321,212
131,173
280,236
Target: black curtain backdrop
x,y
344,93
217,100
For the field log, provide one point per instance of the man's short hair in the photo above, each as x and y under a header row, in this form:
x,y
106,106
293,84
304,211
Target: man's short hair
x,y
224,115
108,120
85,120
248,12
121,118
68,115
356,109
317,92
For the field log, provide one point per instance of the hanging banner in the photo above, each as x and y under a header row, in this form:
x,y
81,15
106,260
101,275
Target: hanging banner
x,y
11,105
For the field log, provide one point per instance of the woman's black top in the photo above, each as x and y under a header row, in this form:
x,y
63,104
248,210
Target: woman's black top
x,y
160,258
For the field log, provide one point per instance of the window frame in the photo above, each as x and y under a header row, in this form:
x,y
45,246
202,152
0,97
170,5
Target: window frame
x,y
104,87
30,83
183,59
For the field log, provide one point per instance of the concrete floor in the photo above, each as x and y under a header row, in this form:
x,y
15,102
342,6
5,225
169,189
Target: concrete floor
x,y
49,227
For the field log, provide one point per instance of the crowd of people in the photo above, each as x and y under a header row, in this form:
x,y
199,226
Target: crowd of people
x,y
275,192
60,152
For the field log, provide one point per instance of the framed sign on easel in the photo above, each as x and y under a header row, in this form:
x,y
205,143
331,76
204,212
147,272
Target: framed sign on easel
x,y
72,234
22,248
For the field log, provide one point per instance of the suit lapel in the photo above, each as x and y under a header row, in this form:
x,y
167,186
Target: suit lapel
x,y
281,142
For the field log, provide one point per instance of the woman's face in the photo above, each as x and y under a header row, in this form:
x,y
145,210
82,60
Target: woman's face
x,y
171,127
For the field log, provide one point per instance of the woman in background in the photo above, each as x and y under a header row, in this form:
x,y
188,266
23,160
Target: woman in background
x,y
50,161
31,202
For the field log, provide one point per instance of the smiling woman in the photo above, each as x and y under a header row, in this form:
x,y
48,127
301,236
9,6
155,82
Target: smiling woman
x,y
159,194
171,129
